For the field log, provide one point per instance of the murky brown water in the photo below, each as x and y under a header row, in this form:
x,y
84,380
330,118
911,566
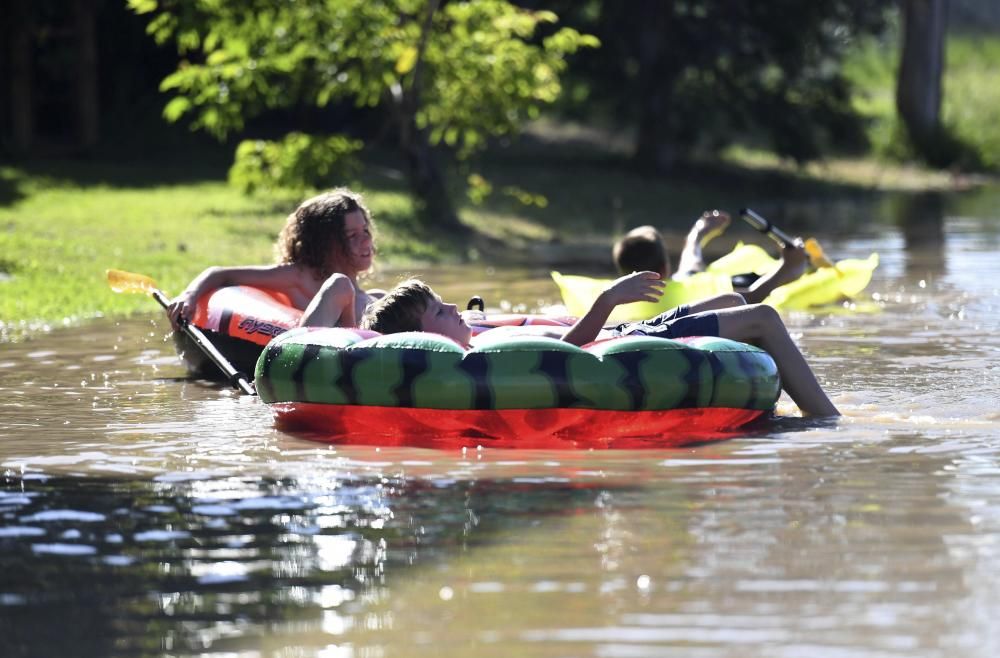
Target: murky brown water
x,y
145,514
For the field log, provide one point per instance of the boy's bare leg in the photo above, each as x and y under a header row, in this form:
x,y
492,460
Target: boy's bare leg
x,y
717,303
760,325
708,226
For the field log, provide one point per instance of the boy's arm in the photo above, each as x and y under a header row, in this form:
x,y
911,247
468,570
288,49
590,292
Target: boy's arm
x,y
635,287
793,265
708,226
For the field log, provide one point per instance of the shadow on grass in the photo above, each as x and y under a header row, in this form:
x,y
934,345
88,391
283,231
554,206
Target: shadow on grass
x,y
598,189
205,162
11,186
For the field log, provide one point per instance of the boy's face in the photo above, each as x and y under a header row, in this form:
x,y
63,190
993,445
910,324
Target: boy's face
x,y
444,319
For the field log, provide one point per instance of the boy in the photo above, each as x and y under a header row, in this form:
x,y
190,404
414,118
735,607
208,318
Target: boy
x,y
413,306
643,249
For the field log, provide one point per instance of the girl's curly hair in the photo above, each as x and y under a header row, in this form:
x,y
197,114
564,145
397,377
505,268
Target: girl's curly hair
x,y
314,234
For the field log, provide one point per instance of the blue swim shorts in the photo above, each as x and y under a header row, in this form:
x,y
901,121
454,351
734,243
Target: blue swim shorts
x,y
676,323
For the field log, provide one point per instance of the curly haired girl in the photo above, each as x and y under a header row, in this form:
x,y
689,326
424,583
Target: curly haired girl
x,y
326,243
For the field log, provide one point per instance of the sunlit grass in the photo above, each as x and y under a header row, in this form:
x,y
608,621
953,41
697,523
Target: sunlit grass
x,y
58,236
970,94
866,173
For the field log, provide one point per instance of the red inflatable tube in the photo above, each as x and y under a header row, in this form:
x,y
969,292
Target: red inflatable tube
x,y
545,429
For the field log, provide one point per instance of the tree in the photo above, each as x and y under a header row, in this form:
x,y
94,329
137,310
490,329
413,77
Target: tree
x,y
921,67
700,73
452,74
49,62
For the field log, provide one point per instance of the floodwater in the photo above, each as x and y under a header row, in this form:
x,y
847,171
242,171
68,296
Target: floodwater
x,y
143,514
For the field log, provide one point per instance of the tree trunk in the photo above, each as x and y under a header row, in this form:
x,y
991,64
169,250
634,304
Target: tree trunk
x,y
918,88
21,32
654,147
434,206
87,96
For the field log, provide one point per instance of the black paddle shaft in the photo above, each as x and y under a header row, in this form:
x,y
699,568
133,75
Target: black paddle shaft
x,y
237,379
763,225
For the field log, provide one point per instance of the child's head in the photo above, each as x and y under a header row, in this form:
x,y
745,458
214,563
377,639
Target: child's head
x,y
329,233
641,250
413,306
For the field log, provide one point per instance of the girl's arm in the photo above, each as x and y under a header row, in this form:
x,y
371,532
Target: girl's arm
x,y
274,277
333,305
635,287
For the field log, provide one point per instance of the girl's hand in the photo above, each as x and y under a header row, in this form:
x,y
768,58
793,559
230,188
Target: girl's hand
x,y
180,309
635,287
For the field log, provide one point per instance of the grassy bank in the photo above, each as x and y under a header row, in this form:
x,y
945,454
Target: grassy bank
x,y
970,94
60,231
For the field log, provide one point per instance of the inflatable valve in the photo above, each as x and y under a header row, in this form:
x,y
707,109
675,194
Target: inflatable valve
x,y
475,310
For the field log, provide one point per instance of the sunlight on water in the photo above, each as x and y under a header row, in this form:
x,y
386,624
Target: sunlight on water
x,y
142,513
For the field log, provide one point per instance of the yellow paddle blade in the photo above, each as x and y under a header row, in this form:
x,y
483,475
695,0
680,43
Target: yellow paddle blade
x,y
122,281
817,257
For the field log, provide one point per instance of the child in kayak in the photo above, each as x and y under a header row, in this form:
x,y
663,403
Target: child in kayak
x,y
414,306
325,245
643,249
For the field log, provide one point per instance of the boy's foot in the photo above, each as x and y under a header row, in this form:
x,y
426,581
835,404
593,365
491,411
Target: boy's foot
x,y
710,225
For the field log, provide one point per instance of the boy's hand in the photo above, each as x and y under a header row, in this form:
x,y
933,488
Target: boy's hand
x,y
635,287
794,257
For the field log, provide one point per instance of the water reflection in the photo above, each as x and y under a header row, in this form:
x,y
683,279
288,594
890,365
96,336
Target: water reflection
x,y
97,567
920,217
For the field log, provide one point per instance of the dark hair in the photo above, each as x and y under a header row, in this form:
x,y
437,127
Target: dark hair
x,y
640,250
400,309
317,226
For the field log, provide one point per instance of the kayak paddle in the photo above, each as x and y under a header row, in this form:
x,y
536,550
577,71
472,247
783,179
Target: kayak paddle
x,y
122,281
816,255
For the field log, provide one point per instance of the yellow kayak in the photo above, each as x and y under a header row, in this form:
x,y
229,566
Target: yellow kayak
x,y
826,285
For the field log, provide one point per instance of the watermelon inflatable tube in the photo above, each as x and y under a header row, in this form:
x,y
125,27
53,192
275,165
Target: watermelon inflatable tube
x,y
420,389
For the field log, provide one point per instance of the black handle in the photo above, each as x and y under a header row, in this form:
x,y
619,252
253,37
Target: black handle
x,y
474,302
766,227
237,379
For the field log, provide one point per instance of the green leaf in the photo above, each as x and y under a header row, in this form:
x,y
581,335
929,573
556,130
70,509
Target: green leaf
x,y
407,60
176,108
142,6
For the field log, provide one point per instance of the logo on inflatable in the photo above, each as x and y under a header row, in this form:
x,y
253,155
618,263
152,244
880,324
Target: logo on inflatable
x,y
253,326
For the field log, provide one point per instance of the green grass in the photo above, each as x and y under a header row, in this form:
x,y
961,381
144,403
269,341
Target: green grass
x,y
60,232
970,94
